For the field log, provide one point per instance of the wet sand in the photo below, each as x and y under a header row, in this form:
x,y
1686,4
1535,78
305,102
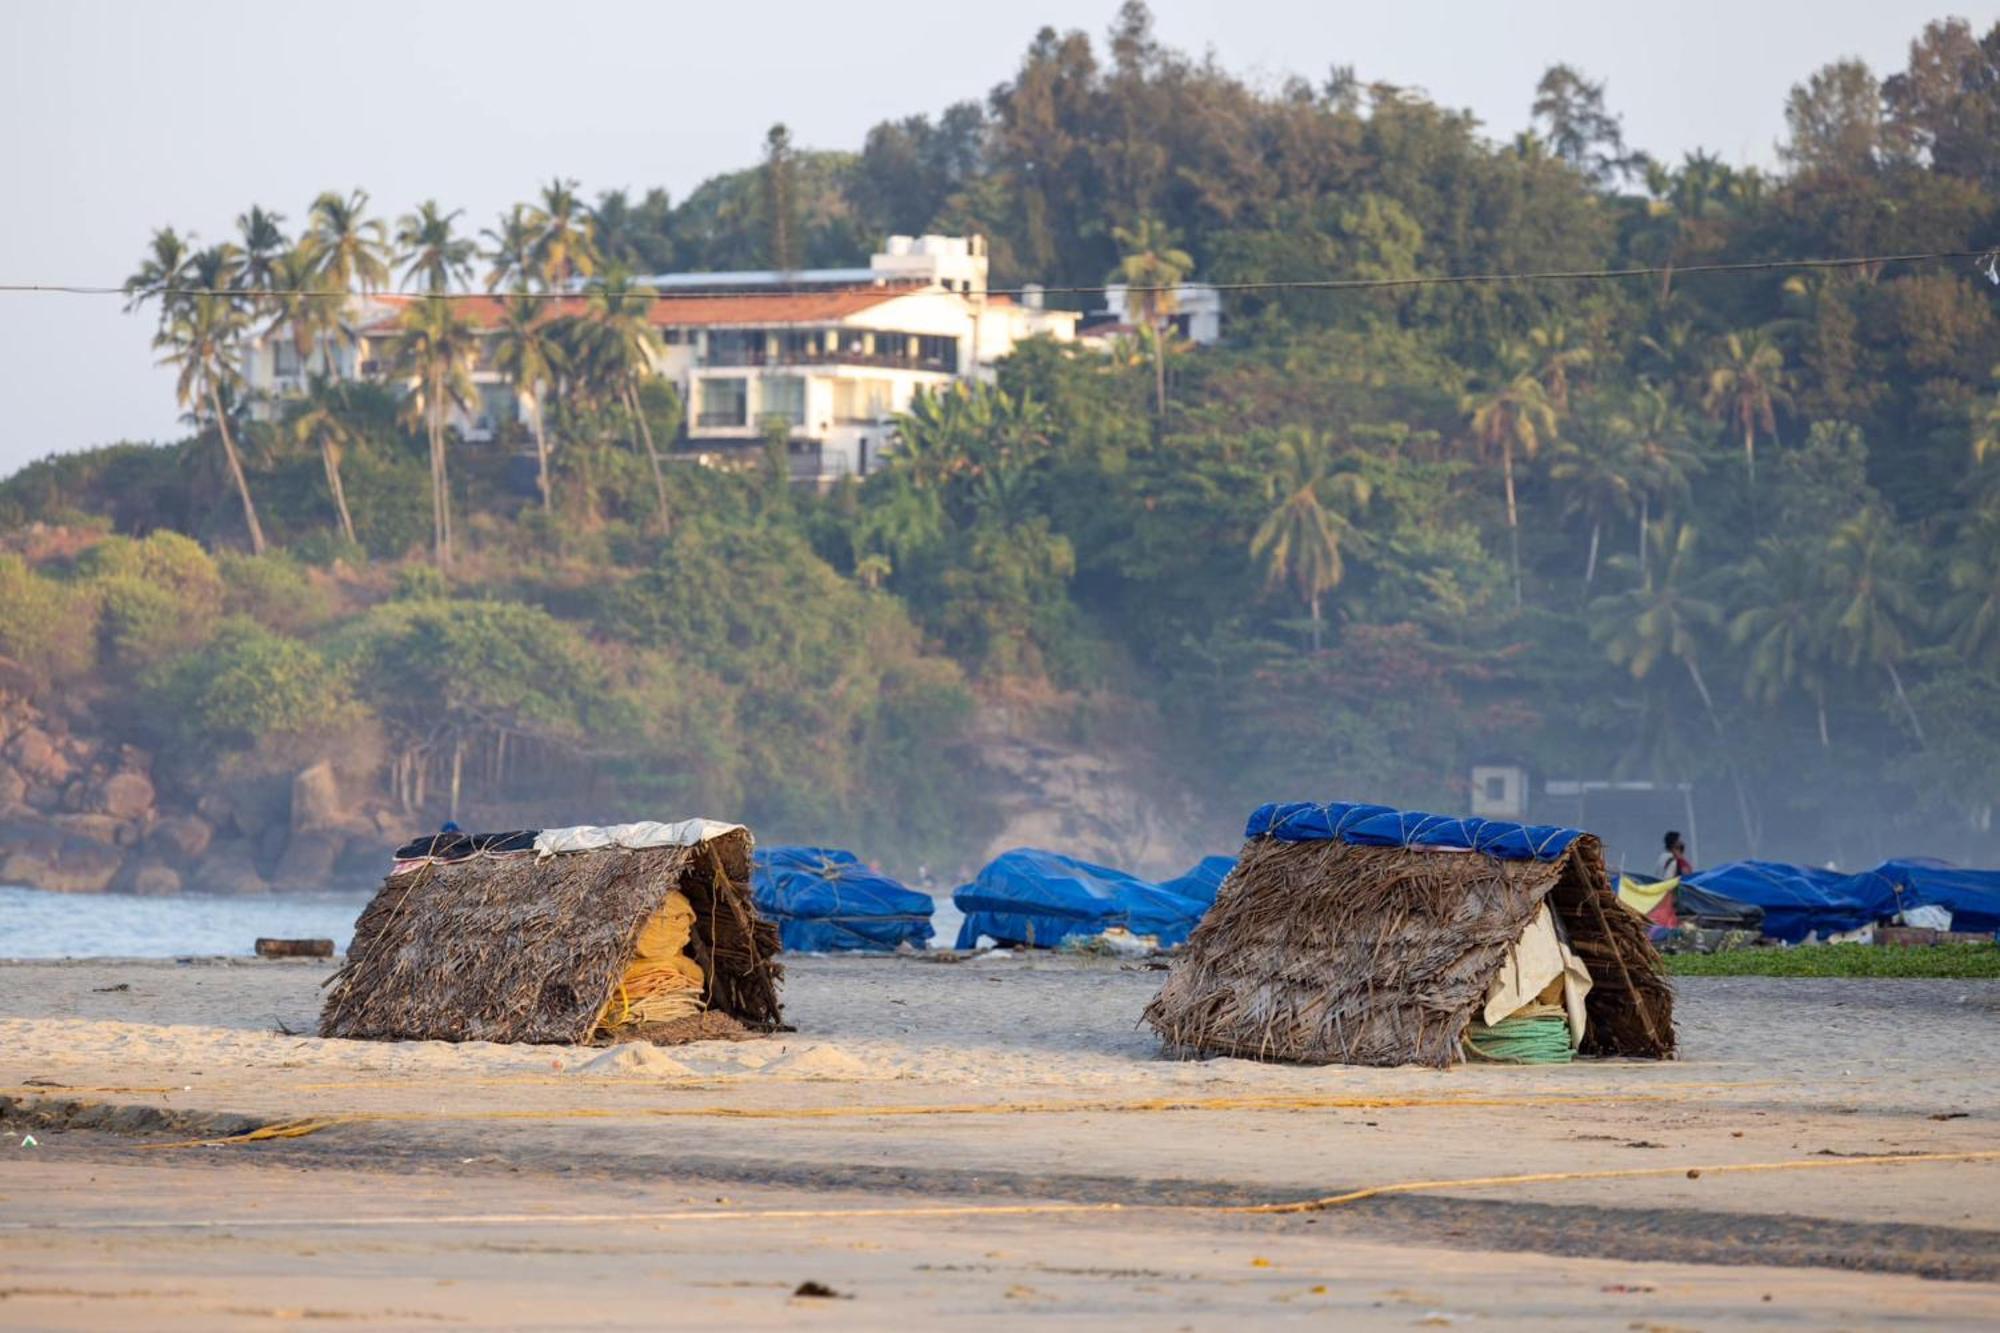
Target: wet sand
x,y
997,1083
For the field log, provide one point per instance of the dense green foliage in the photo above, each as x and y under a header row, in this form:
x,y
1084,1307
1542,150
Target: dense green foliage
x,y
1843,960
1736,530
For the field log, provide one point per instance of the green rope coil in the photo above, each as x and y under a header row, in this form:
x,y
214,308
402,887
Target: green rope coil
x,y
1521,1041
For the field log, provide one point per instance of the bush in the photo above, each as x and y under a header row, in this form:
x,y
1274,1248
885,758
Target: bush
x,y
246,686
273,590
47,626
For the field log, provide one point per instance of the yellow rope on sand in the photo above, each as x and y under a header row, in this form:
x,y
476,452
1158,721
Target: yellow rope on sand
x,y
710,1217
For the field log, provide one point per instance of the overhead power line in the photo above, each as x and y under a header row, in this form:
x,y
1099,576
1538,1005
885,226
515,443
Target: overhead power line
x,y
1990,265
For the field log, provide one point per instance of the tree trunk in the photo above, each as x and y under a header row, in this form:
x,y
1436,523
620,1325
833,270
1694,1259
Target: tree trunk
x,y
440,492
1735,779
1750,454
541,448
1314,602
236,473
1645,521
1916,727
646,433
339,492
1825,738
1160,371
457,771
1513,518
1590,565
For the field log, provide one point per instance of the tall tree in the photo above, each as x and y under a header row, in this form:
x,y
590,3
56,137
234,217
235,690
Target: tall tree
x,y
781,200
1971,610
318,421
564,248
1835,119
203,339
1872,572
161,273
1515,416
1152,266
527,350
264,246
1569,111
510,250
435,349
622,346
1299,541
1783,625
1599,471
349,249
431,252
1746,385
1664,456
302,309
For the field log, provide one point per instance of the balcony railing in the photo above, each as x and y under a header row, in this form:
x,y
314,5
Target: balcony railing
x,y
727,357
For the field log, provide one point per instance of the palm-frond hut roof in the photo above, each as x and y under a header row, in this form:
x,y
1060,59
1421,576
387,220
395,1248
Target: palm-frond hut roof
x,y
531,946
1359,934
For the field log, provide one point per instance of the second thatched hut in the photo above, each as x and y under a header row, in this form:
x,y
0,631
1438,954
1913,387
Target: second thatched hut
x,y
577,935
1359,934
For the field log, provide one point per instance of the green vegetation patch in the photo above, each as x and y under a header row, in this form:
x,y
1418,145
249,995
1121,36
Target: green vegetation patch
x,y
1972,959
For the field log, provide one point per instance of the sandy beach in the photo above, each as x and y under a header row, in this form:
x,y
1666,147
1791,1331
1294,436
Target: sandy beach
x,y
970,1140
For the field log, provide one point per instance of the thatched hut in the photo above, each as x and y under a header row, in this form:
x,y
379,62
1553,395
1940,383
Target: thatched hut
x,y
588,935
1358,934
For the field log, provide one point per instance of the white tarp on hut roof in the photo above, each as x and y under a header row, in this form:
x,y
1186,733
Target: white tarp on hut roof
x,y
645,833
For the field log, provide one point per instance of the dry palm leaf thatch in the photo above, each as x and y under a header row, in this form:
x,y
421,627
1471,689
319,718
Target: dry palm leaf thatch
x,y
1330,952
527,949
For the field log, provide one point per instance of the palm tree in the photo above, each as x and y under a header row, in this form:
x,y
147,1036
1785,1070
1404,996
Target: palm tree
x,y
203,338
318,421
1555,358
1299,541
511,250
1971,611
1746,384
1665,458
1783,625
622,343
1871,577
1599,474
162,273
430,251
1152,266
1517,415
1667,617
298,305
350,251
527,351
564,248
435,349
264,246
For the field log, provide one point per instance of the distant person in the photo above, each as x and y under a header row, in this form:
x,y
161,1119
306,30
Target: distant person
x,y
1674,861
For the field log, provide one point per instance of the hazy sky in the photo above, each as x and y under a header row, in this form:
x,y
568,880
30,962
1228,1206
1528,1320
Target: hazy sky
x,y
116,118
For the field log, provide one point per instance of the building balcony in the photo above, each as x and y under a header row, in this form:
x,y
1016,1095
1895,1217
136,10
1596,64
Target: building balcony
x,y
732,358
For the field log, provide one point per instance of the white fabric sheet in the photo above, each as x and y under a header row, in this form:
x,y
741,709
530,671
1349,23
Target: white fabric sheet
x,y
1537,959
646,833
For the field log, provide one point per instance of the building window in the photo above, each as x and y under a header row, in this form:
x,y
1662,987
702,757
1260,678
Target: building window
x,y
934,353
783,397
672,337
860,400
723,403
285,357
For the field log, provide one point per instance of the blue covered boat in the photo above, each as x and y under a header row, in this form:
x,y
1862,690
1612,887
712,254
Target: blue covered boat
x,y
1040,898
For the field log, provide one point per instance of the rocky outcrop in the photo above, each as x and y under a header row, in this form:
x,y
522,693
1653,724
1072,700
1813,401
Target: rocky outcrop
x,y
79,815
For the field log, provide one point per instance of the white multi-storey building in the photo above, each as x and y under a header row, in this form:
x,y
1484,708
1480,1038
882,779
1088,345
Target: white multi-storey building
x,y
833,354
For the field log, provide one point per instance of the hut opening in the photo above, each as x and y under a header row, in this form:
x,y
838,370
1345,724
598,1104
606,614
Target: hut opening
x,y
1358,934
581,935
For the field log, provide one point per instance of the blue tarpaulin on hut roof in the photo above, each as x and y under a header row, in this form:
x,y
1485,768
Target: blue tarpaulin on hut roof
x,y
1381,826
825,899
1035,897
1797,900
1971,896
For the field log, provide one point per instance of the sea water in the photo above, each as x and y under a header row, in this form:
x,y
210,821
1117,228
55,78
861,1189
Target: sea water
x,y
34,924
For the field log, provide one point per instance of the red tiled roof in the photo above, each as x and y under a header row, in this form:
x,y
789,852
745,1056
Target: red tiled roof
x,y
683,311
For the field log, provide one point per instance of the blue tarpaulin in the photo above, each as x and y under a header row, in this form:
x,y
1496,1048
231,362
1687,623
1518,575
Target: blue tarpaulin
x,y
1040,898
1971,896
825,899
1381,826
1202,879
1797,900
